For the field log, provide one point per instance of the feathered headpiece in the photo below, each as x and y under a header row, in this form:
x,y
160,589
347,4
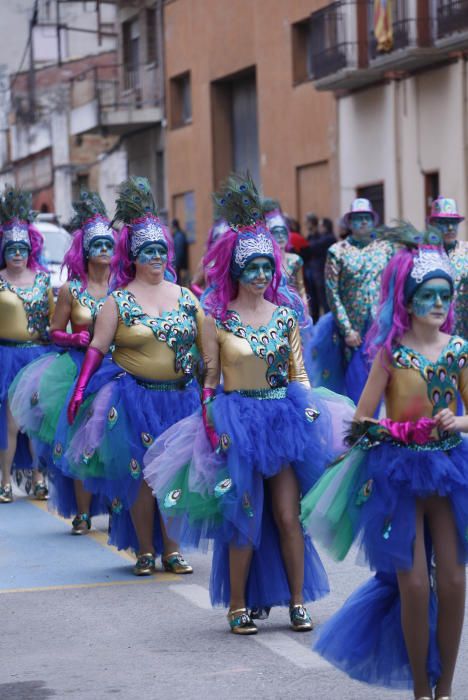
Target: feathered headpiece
x,y
431,261
91,217
15,216
137,209
273,215
239,204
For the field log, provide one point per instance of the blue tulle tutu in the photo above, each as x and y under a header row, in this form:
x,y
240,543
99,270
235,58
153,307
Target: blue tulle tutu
x,y
365,638
38,399
334,365
225,496
370,498
120,418
12,359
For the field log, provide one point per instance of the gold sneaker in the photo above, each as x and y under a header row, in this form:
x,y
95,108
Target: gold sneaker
x,y
176,564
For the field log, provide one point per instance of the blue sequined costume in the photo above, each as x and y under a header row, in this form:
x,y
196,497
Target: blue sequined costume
x,y
370,496
352,276
25,314
147,386
266,418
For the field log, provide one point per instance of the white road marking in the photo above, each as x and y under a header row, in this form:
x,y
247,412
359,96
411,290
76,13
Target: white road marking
x,y
277,642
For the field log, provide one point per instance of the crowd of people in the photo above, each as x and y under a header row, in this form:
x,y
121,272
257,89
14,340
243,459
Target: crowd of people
x,y
244,413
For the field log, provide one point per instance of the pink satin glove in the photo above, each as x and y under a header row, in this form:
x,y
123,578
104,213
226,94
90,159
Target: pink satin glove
x,y
71,340
409,431
208,395
92,362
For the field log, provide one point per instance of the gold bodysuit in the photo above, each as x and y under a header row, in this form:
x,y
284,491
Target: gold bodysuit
x,y
157,348
265,358
84,307
25,312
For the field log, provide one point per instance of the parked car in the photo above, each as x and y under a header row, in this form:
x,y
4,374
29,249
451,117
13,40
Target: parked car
x,y
56,243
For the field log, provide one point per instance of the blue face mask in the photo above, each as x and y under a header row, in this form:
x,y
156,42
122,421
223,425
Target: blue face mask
x,y
155,251
258,269
13,250
447,226
101,246
358,219
432,295
280,235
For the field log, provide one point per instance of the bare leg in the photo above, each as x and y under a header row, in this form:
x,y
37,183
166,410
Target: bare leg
x,y
239,565
7,456
285,499
450,575
142,513
414,594
170,545
83,497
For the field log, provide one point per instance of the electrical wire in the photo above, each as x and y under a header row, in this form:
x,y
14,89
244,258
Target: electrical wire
x,y
28,44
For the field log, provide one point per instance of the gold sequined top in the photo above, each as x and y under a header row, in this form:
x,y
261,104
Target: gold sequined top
x,y
26,312
267,357
418,388
84,307
163,348
352,281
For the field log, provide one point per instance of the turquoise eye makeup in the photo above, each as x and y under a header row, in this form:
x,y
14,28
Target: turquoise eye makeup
x,y
101,246
446,226
14,249
155,251
279,234
256,271
358,219
430,298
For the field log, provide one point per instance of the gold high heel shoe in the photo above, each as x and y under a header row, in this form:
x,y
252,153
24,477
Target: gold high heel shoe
x,y
6,494
176,564
240,622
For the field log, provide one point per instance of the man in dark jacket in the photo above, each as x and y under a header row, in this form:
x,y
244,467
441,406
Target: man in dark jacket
x,y
180,251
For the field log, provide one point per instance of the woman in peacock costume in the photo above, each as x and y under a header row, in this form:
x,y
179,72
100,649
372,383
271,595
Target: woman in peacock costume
x,y
402,489
41,392
234,471
151,327
26,307
352,282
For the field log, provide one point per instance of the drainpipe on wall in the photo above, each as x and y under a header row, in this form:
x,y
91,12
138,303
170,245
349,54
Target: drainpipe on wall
x,y
397,137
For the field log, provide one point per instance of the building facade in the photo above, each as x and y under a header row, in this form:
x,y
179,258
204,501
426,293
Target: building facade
x,y
402,105
238,96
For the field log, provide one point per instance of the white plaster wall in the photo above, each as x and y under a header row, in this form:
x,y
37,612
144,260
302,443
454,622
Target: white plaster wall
x,y
428,135
113,170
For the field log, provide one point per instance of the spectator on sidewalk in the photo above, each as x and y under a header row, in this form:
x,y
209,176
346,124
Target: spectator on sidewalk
x,y
180,250
320,238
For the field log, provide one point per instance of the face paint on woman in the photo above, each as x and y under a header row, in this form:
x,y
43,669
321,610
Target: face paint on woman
x,y
14,250
259,270
101,246
155,251
447,226
435,295
280,235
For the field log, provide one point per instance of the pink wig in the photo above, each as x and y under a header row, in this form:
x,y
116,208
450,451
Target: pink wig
x,y
75,259
35,261
393,320
224,288
123,268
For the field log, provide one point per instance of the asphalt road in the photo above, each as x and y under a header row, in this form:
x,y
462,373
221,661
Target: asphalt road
x,y
75,623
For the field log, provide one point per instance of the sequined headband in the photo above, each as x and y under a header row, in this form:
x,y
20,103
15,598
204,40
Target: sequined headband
x,y
143,231
97,227
275,219
427,265
257,244
15,232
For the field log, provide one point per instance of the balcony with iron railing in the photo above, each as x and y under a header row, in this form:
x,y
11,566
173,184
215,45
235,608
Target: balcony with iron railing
x,y
117,97
452,24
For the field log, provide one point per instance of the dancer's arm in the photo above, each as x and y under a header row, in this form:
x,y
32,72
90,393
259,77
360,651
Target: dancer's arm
x,y
212,367
332,289
297,371
374,388
58,332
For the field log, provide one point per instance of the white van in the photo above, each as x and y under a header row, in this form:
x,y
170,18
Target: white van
x,y
56,243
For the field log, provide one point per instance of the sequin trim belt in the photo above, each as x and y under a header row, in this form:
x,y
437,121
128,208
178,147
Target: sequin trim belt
x,y
444,445
20,344
277,393
175,385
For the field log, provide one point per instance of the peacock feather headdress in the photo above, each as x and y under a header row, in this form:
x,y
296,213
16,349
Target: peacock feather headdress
x,y
136,208
91,216
239,203
405,234
16,215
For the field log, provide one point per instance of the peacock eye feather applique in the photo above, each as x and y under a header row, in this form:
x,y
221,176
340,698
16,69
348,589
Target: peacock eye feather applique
x,y
312,414
364,492
112,417
135,469
172,498
222,487
147,439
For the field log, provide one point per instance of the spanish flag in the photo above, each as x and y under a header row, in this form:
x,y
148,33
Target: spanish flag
x,y
383,27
